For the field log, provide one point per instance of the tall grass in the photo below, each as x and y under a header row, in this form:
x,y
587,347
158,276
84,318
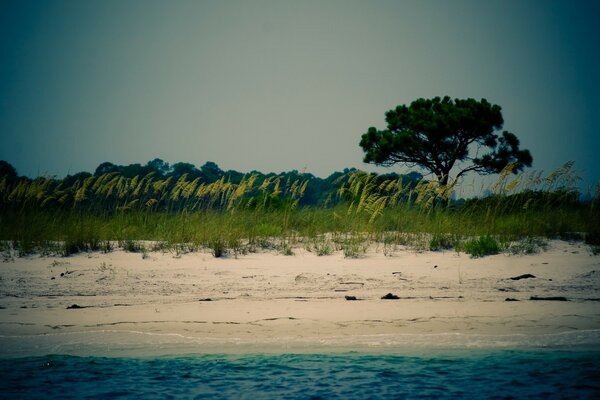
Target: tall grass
x,y
186,215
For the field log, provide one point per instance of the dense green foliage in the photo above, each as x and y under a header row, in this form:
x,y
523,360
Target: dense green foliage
x,y
482,246
442,134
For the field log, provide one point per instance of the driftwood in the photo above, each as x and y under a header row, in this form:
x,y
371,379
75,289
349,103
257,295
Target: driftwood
x,y
551,298
524,276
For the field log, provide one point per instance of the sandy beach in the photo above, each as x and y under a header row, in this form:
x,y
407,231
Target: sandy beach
x,y
269,297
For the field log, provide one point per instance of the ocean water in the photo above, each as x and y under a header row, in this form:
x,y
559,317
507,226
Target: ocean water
x,y
107,364
438,374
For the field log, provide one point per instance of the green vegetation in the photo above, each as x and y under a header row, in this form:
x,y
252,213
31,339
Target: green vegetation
x,y
483,246
181,208
256,212
441,135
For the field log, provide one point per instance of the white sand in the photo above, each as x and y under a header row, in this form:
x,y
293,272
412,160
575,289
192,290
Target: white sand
x,y
270,297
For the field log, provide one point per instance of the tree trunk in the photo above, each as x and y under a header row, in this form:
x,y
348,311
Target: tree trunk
x,y
444,183
444,180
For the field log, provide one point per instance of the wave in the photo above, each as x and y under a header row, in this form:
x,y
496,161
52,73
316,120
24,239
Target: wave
x,y
131,343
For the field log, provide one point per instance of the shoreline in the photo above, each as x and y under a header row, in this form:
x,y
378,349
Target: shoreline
x,y
143,344
296,302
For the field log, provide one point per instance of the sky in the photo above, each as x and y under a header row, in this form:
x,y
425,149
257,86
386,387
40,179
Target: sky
x,y
281,85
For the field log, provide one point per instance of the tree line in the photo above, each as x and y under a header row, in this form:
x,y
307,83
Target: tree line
x,y
160,186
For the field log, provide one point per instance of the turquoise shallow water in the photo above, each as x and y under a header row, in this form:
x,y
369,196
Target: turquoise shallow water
x,y
441,374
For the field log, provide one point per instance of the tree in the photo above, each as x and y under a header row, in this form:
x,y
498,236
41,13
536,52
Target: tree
x,y
105,168
442,135
6,169
211,171
181,168
160,167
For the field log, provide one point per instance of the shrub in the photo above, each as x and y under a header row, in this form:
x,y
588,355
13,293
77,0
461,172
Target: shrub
x,y
482,246
106,246
73,246
593,236
218,247
286,249
440,242
529,245
132,246
354,247
320,246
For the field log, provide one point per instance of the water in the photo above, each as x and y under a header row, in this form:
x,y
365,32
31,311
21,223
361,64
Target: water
x,y
451,373
100,364
122,343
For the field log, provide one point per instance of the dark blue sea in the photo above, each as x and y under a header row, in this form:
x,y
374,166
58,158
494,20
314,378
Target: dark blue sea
x,y
440,374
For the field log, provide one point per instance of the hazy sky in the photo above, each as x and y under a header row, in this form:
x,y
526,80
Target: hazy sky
x,y
281,85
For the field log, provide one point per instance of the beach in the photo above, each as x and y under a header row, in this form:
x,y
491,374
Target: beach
x,y
268,325
162,299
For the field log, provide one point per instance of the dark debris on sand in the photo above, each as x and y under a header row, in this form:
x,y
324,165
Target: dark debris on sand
x,y
524,276
551,298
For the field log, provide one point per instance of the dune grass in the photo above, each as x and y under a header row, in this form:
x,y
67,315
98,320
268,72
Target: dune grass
x,y
320,230
142,215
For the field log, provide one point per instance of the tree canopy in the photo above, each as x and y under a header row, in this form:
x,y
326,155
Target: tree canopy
x,y
442,135
6,169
